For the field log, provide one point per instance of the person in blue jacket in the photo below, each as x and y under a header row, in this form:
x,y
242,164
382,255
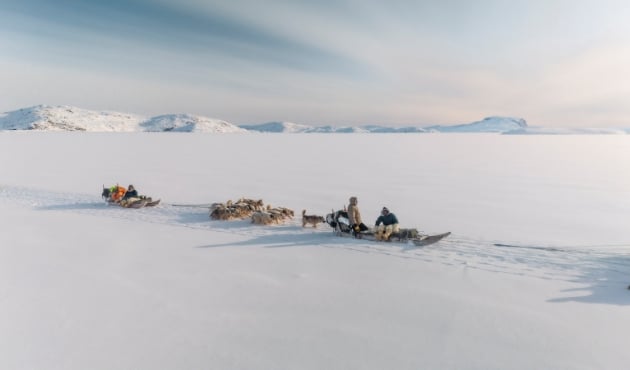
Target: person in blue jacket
x,y
386,224
131,193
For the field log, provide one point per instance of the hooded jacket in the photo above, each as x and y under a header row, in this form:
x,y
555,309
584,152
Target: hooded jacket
x,y
353,212
388,219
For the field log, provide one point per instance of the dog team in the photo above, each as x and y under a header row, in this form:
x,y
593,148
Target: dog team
x,y
385,225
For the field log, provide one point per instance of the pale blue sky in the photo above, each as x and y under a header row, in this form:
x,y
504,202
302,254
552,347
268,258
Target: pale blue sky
x,y
554,63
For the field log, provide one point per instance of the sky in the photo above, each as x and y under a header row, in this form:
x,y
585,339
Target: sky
x,y
398,62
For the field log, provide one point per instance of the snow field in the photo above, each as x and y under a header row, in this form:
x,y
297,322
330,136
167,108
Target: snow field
x,y
520,284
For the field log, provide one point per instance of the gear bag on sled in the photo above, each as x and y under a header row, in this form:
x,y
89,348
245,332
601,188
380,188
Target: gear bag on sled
x,y
339,221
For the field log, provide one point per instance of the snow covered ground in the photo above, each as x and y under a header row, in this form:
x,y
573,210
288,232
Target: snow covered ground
x,y
533,277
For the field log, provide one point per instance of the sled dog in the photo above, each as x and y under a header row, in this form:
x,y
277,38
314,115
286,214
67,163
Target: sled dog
x,y
311,219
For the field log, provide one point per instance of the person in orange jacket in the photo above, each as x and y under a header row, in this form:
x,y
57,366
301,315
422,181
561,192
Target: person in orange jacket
x,y
116,193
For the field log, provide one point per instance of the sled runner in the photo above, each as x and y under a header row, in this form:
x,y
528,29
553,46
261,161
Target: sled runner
x,y
429,239
339,222
140,203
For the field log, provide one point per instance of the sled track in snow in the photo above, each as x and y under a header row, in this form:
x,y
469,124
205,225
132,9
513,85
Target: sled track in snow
x,y
607,264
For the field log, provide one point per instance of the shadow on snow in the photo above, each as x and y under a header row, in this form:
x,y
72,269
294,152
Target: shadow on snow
x,y
74,206
606,281
278,241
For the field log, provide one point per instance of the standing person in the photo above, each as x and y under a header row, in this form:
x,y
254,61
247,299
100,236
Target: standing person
x,y
386,224
354,217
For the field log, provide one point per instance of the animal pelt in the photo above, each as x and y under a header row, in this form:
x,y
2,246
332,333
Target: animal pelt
x,y
240,209
311,219
264,218
221,212
285,212
271,215
245,207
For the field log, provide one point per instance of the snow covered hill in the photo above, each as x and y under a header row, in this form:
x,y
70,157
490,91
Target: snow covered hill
x,y
290,127
68,118
65,118
339,130
400,130
278,127
489,124
567,131
188,123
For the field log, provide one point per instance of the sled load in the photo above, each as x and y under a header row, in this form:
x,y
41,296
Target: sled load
x,y
269,215
239,210
340,222
250,208
127,197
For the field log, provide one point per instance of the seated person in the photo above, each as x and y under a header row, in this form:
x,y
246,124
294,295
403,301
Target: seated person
x,y
131,197
386,224
116,193
131,193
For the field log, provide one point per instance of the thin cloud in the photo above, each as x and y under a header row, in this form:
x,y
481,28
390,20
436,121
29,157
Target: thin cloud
x,y
327,62
179,29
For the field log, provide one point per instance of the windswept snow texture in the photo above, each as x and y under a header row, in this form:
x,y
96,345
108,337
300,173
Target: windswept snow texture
x,y
534,276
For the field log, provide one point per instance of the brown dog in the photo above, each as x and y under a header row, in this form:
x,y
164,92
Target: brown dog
x,y
311,219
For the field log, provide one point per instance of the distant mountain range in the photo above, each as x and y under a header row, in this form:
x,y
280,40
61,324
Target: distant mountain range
x,y
66,118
